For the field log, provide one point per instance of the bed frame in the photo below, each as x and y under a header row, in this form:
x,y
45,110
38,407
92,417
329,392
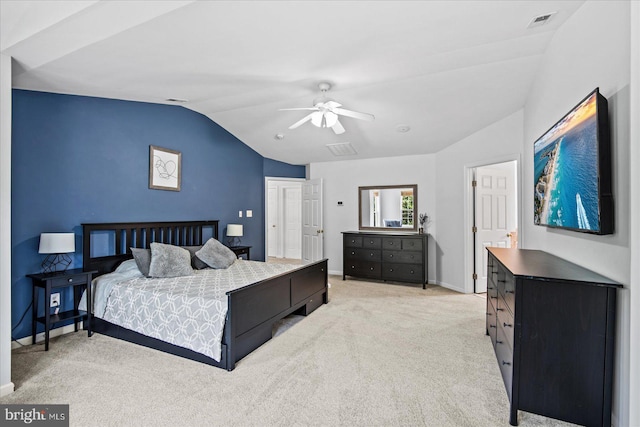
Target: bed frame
x,y
252,309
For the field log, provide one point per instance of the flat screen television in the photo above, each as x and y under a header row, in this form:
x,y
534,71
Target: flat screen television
x,y
572,170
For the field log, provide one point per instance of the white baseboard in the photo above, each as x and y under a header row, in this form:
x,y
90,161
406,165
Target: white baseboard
x,y
6,389
40,337
448,286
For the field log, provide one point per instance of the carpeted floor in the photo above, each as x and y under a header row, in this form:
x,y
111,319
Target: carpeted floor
x,y
376,355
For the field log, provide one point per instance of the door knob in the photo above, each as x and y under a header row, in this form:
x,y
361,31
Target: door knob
x,y
509,234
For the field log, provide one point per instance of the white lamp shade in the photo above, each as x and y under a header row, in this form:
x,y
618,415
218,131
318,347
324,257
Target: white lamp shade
x,y
234,230
57,243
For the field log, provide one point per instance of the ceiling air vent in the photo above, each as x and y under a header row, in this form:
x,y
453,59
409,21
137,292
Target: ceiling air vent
x,y
342,149
541,20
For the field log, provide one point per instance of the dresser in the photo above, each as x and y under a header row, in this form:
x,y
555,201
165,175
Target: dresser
x,y
398,257
552,326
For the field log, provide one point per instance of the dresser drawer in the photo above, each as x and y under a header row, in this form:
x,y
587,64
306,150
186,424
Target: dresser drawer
x,y
363,254
411,257
78,279
352,241
371,242
504,354
402,272
507,289
363,268
392,243
411,244
492,322
505,323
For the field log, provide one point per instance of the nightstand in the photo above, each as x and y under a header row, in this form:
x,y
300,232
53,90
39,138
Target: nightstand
x,y
241,250
76,278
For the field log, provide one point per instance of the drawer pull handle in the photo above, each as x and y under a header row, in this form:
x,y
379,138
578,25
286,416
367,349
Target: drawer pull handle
x,y
506,363
411,271
508,325
371,254
490,288
492,326
489,314
70,280
499,342
371,242
499,309
391,270
353,252
390,255
353,266
510,292
391,243
489,297
371,269
502,281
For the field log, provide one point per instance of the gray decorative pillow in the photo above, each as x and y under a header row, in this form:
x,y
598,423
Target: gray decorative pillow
x,y
195,261
169,261
216,255
143,259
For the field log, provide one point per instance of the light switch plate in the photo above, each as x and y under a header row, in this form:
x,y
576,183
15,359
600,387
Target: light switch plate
x,y
249,214
239,214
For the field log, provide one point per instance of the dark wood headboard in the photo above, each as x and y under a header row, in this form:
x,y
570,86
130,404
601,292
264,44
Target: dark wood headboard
x,y
125,235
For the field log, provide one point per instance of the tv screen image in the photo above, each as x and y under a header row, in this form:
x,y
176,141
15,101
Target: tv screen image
x,y
572,170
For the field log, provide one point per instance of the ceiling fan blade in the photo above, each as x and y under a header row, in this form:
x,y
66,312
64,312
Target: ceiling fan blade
x,y
337,128
354,114
332,104
298,109
302,121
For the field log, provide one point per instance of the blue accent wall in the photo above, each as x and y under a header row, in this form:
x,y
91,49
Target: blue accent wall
x,y
80,159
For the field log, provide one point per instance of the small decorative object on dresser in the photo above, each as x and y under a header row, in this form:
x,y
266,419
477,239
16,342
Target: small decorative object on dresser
x,y
552,325
400,257
424,221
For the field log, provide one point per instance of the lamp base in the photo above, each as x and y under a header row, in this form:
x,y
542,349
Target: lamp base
x,y
233,241
52,261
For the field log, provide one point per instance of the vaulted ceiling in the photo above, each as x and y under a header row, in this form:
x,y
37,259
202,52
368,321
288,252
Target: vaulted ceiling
x,y
444,69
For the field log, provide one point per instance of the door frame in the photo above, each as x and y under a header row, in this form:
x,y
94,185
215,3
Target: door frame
x,y
267,179
469,247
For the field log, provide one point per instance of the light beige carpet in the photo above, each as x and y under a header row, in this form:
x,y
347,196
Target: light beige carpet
x,y
376,355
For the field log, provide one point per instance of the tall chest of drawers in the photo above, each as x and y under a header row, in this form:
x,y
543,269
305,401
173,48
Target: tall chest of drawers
x,y
552,326
399,257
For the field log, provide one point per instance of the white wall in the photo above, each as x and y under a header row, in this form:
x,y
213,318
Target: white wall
x,y
590,50
501,141
634,328
6,386
341,182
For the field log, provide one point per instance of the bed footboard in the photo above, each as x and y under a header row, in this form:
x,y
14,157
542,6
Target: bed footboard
x,y
255,308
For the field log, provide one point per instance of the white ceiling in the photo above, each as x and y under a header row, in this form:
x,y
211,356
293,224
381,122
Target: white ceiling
x,y
444,68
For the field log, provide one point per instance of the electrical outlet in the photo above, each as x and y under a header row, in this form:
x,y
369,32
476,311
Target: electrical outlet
x,y
55,300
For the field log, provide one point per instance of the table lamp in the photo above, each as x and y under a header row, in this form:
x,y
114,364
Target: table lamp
x,y
56,246
234,232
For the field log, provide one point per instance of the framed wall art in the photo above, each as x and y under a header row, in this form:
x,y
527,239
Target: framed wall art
x,y
165,168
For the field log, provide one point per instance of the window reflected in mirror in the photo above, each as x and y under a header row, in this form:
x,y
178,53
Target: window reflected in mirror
x,y
388,207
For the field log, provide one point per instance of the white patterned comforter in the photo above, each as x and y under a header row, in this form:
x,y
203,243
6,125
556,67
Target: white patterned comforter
x,y
185,311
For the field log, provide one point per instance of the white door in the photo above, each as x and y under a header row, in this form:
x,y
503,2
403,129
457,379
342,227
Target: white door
x,y
292,220
272,222
496,217
312,232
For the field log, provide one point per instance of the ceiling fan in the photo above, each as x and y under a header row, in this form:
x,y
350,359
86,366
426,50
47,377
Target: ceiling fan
x,y
325,112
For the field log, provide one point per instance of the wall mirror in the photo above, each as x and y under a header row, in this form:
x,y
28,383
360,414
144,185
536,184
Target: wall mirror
x,y
388,207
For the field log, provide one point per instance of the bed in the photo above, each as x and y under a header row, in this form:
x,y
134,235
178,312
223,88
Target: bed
x,y
251,309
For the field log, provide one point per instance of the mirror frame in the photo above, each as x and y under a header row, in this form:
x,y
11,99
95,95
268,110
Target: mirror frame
x,y
387,187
